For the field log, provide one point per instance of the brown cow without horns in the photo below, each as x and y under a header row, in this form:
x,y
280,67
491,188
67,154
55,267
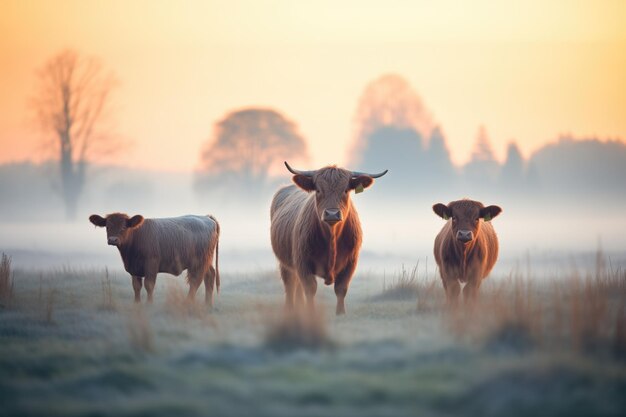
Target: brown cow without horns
x,y
316,232
466,249
171,245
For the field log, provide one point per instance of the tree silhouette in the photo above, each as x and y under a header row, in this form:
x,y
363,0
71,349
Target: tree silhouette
x,y
398,148
248,147
512,173
388,101
72,98
483,168
438,164
584,167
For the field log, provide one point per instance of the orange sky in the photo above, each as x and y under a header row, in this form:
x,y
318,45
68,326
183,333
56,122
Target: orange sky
x,y
526,70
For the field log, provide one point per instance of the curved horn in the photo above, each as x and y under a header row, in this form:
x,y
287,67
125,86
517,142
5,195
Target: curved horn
x,y
297,172
380,174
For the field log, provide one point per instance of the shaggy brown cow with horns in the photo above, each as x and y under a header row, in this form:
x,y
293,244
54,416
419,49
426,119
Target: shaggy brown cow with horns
x,y
316,231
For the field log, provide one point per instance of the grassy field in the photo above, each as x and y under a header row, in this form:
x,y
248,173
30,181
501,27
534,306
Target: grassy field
x,y
73,343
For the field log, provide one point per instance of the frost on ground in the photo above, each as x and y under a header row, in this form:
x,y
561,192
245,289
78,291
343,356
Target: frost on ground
x,y
73,343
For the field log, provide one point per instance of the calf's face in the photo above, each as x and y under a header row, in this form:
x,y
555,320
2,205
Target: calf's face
x,y
332,188
118,226
466,216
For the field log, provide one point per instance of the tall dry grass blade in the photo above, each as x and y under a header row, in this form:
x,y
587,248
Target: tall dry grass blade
x,y
6,281
49,307
107,291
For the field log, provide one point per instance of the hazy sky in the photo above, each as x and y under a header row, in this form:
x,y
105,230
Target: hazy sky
x,y
526,70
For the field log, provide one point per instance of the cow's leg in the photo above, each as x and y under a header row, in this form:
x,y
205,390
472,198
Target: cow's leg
x,y
342,282
290,281
453,289
470,291
309,285
298,292
195,278
451,285
209,283
150,280
137,284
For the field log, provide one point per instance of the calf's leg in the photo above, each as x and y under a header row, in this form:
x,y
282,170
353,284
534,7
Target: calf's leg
x,y
137,284
195,278
470,291
150,280
474,278
452,286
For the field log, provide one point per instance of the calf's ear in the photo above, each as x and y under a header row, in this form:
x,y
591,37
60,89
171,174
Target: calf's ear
x,y
134,221
442,211
304,182
489,212
98,220
360,183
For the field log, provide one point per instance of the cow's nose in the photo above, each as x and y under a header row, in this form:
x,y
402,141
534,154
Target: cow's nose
x,y
465,235
332,216
114,240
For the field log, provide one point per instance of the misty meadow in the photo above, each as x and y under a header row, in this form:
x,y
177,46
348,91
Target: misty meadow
x,y
284,208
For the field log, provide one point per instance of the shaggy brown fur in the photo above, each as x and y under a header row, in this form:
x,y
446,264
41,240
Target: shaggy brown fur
x,y
171,245
307,246
466,248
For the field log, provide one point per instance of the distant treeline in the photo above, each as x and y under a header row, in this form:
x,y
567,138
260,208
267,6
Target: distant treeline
x,y
585,170
568,168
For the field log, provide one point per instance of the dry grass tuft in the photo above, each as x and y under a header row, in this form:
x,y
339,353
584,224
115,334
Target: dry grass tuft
x,y
403,286
430,295
107,292
177,304
6,281
139,330
297,329
408,285
576,313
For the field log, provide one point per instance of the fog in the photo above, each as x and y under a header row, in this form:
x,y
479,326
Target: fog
x,y
397,229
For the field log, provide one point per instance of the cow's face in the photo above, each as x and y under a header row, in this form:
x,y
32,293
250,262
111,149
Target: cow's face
x,y
465,216
332,188
118,226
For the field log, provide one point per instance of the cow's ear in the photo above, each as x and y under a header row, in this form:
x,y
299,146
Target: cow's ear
x,y
98,220
305,182
134,221
361,182
489,212
442,211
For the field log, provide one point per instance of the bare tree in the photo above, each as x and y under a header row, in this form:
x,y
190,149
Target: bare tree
x,y
71,99
249,147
